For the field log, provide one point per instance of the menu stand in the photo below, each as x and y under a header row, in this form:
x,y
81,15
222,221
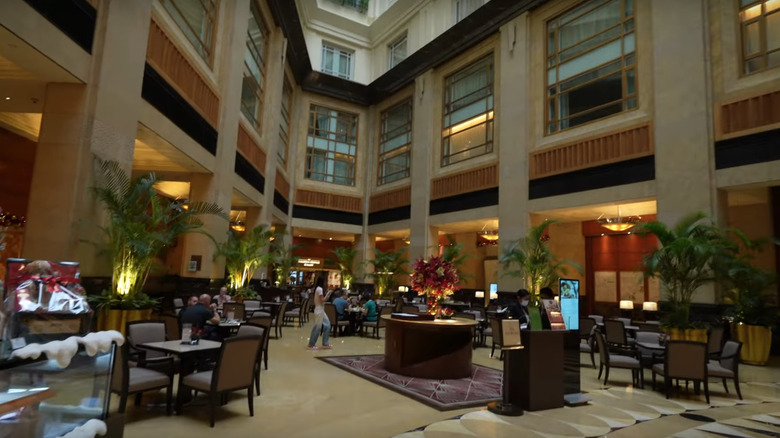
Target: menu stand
x,y
510,404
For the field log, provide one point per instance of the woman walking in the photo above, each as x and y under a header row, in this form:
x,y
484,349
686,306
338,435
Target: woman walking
x,y
321,321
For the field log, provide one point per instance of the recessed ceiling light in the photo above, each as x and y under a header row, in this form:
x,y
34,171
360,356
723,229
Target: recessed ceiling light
x,y
330,238
7,97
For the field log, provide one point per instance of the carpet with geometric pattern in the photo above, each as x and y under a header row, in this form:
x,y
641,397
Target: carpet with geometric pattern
x,y
482,387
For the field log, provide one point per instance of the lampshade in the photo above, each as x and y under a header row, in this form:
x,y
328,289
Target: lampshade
x,y
479,294
650,306
618,223
403,289
489,235
626,305
238,226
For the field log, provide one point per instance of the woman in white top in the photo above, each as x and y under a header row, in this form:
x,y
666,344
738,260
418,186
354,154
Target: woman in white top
x,y
321,321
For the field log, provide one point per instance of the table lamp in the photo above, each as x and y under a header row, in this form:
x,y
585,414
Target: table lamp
x,y
626,308
650,309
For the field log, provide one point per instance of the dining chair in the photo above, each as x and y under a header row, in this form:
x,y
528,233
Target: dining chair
x,y
333,317
127,380
685,360
609,360
250,307
265,322
615,335
498,339
250,329
649,327
238,309
727,366
178,304
587,327
715,342
279,319
235,370
143,331
598,318
172,326
379,323
649,356
291,315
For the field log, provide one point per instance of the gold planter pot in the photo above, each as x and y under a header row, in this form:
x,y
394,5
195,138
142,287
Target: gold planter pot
x,y
116,319
696,335
756,342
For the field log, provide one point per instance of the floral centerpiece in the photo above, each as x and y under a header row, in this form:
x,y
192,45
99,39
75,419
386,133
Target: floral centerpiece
x,y
435,277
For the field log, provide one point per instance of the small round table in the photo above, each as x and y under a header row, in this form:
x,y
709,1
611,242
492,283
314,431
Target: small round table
x,y
439,349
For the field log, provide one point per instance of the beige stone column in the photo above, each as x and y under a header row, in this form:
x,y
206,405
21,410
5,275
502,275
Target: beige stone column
x,y
272,114
100,118
514,138
424,137
683,134
365,244
217,187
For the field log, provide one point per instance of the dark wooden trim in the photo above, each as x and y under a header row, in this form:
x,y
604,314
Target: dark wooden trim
x,y
749,149
281,202
249,173
390,215
326,215
465,201
75,18
608,175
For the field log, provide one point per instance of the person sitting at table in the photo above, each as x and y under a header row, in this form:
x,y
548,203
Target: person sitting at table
x,y
199,315
192,301
341,305
519,308
369,310
222,297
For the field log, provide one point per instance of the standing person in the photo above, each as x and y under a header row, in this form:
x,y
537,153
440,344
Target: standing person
x,y
321,321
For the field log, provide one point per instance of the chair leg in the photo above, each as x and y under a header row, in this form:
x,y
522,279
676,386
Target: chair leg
x,y
641,377
251,400
493,349
726,387
653,380
667,385
707,391
601,370
736,385
169,398
258,365
592,358
606,375
138,398
213,406
122,403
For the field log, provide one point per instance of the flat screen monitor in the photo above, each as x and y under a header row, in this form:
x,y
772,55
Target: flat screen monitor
x,y
569,290
479,294
493,291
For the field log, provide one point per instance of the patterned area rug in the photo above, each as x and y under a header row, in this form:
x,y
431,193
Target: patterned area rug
x,y
484,385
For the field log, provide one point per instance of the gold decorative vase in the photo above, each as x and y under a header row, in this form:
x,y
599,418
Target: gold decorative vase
x,y
756,342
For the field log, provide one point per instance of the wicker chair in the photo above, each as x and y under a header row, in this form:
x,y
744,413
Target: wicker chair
x,y
728,365
683,360
235,370
609,360
127,380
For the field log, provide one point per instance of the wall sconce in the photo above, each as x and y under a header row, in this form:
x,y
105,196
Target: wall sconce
x,y
650,306
626,305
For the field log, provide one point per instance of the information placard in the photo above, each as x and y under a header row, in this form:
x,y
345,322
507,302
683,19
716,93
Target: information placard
x,y
510,332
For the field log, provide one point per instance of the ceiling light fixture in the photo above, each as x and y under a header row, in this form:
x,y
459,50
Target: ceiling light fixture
x,y
619,223
7,97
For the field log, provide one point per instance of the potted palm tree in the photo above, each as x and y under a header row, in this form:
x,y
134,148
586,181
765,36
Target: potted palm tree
x,y
684,262
284,260
531,259
244,255
747,290
386,266
345,259
141,224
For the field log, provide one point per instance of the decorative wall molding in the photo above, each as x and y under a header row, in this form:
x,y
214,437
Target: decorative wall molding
x,y
613,147
392,199
750,113
163,55
250,150
352,204
470,180
282,185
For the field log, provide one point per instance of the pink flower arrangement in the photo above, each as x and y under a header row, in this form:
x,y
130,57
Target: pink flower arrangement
x,y
434,275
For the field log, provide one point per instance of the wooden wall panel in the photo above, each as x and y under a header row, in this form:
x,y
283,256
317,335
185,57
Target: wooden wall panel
x,y
352,204
750,113
387,200
471,180
610,148
250,150
163,55
282,185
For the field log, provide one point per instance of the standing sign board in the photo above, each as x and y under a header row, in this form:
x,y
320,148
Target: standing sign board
x,y
570,302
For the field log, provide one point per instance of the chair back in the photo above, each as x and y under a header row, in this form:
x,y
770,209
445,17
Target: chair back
x,y
586,326
729,356
602,345
238,309
140,332
251,304
262,321
330,312
626,321
598,318
249,329
715,340
498,335
172,327
120,372
387,310
686,360
235,368
647,327
648,337
178,303
615,332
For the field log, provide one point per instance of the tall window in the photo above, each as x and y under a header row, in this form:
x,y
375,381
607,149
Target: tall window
x,y
196,18
284,124
760,34
331,146
468,113
465,7
591,63
254,67
337,62
395,142
396,52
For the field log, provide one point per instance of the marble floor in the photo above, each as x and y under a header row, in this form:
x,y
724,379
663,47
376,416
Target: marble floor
x,y
304,397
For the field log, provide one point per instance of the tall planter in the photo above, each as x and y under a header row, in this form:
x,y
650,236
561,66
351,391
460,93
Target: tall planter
x,y
756,342
696,335
117,319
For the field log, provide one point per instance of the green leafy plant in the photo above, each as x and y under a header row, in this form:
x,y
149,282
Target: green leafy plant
x,y
452,253
245,254
345,259
386,266
748,290
244,293
684,260
284,259
109,300
141,224
531,259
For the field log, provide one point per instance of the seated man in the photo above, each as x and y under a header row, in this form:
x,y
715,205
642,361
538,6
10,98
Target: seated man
x,y
222,297
201,313
341,304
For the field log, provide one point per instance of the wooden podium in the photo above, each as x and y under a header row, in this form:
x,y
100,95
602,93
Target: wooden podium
x,y
539,376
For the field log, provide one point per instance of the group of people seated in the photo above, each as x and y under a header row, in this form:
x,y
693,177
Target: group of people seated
x,y
202,315
367,312
519,309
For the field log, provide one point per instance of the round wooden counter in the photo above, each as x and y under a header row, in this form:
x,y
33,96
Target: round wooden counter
x,y
439,349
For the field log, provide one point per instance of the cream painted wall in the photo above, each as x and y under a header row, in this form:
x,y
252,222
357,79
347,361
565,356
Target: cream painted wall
x,y
755,220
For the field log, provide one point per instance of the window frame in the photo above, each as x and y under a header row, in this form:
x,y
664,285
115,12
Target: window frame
x,y
551,100
284,135
206,48
406,149
391,50
337,50
257,88
762,53
331,154
489,113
